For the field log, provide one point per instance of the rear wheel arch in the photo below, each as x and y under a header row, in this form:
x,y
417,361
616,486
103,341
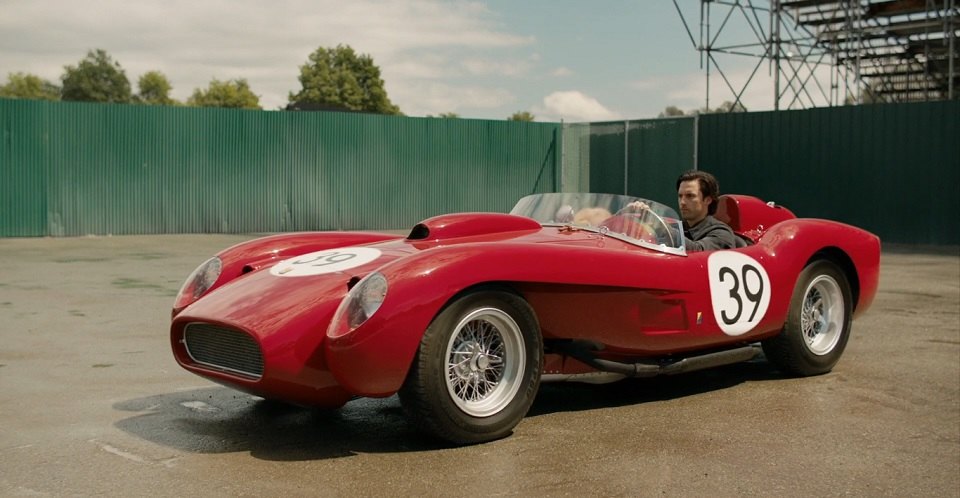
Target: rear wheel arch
x,y
840,258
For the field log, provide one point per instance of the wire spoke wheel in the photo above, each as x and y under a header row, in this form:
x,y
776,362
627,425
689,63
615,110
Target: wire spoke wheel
x,y
477,369
818,322
822,316
484,360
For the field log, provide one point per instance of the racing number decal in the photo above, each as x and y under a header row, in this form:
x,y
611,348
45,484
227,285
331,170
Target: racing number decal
x,y
739,291
330,261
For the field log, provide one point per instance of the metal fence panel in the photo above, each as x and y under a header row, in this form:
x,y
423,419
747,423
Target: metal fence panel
x,y
892,169
660,150
75,169
641,158
24,160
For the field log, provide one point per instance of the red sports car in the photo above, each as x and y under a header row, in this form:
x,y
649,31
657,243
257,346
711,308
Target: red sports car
x,y
466,315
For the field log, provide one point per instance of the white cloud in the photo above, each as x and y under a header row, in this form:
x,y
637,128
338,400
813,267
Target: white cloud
x,y
561,72
432,98
574,106
487,67
266,42
688,92
646,85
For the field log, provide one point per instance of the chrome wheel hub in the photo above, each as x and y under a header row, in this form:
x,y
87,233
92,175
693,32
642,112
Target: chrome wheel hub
x,y
484,362
823,315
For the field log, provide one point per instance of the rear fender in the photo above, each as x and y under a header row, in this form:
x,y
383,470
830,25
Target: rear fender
x,y
798,242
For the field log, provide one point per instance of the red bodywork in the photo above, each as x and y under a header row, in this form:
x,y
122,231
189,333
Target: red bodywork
x,y
636,302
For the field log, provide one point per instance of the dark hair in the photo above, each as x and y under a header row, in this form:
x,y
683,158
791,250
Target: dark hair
x,y
708,186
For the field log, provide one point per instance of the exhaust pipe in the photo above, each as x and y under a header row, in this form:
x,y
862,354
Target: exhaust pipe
x,y
583,351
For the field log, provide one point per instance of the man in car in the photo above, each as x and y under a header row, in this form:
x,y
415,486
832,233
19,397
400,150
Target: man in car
x,y
697,194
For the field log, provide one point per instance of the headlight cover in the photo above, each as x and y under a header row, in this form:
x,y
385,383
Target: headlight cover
x,y
363,300
199,282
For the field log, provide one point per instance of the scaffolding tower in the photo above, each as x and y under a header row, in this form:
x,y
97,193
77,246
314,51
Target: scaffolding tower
x,y
835,52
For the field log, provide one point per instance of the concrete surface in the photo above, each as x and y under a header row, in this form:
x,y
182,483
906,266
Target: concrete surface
x,y
92,403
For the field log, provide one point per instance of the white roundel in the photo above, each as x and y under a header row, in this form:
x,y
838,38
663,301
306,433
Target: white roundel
x,y
739,291
329,261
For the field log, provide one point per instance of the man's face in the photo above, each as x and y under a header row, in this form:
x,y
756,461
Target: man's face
x,y
693,207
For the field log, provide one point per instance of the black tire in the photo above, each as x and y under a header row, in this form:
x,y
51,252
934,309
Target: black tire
x,y
477,369
818,322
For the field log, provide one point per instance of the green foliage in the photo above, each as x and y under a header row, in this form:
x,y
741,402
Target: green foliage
x,y
97,78
725,107
521,116
339,77
154,89
671,111
234,93
29,86
728,106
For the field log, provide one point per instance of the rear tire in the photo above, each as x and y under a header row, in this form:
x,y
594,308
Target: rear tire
x,y
477,370
818,322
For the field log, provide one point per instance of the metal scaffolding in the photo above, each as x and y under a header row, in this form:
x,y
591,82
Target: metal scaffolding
x,y
835,52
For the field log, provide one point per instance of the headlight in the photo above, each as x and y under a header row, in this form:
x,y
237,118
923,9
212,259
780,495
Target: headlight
x,y
363,300
199,282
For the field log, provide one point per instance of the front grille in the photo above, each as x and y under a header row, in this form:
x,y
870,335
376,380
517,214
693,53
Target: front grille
x,y
224,349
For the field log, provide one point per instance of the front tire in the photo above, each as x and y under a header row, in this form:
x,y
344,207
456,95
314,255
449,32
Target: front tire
x,y
818,322
477,370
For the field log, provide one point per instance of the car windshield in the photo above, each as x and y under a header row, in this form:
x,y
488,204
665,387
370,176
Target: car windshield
x,y
632,219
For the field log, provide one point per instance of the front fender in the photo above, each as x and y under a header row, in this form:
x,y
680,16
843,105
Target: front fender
x,y
252,255
373,359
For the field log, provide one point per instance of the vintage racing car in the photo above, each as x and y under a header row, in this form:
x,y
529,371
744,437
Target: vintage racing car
x,y
469,312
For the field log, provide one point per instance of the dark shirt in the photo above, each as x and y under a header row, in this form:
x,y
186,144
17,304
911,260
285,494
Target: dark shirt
x,y
708,235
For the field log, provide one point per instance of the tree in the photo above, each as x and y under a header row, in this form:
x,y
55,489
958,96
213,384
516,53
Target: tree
x,y
340,77
726,106
671,111
97,78
154,89
234,93
521,116
29,86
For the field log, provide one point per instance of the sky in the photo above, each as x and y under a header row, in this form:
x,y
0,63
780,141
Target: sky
x,y
557,59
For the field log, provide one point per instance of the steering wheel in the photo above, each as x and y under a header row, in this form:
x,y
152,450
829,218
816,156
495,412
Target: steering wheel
x,y
666,228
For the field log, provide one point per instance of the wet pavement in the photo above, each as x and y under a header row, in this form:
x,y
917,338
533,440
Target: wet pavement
x,y
92,403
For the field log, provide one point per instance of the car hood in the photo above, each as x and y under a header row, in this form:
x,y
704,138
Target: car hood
x,y
300,293
303,291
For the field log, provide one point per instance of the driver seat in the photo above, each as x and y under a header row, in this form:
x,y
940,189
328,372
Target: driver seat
x,y
728,211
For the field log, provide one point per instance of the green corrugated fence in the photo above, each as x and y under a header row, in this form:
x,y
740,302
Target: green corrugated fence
x,y
76,169
893,169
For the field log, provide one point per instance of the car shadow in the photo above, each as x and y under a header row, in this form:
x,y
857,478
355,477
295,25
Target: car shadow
x,y
574,396
222,420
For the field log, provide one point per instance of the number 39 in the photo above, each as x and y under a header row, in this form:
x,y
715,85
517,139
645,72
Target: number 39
x,y
753,297
739,291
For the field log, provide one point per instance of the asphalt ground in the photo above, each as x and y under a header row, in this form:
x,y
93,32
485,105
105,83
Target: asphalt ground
x,y
92,403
